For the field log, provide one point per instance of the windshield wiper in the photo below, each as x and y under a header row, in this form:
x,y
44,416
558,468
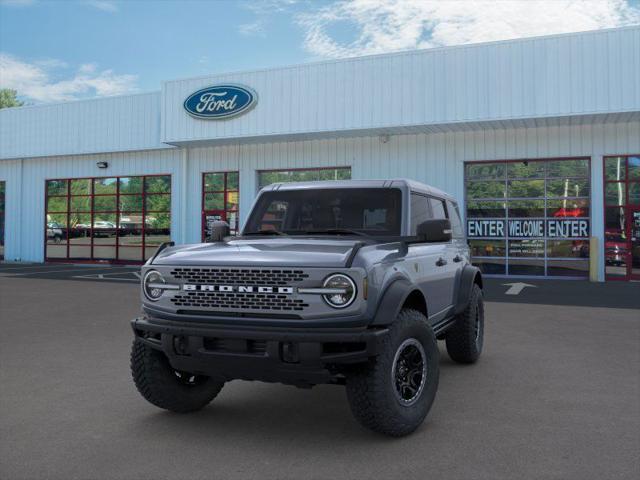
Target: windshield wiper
x,y
264,232
335,231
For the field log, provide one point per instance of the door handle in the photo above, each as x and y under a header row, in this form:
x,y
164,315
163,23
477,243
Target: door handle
x,y
441,262
457,258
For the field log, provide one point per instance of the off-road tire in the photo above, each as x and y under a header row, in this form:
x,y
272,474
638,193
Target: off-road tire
x,y
162,386
464,342
371,387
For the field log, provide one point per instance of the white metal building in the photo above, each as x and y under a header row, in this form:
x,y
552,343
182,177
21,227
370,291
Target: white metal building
x,y
554,120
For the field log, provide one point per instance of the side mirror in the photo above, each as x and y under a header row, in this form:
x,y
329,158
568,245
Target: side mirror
x,y
434,231
219,230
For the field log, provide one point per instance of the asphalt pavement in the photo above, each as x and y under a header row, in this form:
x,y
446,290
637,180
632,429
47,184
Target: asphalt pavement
x,y
556,395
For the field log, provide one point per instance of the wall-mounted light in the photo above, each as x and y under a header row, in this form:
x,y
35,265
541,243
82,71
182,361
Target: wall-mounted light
x,y
102,164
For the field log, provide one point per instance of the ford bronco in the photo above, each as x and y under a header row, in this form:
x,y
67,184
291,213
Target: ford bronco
x,y
342,282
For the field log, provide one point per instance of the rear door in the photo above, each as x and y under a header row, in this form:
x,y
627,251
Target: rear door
x,y
426,262
449,260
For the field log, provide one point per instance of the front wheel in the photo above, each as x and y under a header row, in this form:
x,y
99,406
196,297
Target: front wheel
x,y
165,387
394,392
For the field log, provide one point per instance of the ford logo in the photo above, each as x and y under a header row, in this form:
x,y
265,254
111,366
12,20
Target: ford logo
x,y
220,101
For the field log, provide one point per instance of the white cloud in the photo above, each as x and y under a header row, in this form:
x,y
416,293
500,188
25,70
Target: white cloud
x,y
388,25
252,29
104,5
36,81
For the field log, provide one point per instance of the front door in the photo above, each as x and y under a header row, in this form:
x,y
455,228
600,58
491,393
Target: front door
x,y
633,262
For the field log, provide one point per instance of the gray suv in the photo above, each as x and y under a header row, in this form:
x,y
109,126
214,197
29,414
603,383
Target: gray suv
x,y
344,282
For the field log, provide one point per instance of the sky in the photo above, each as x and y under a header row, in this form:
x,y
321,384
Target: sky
x,y
60,50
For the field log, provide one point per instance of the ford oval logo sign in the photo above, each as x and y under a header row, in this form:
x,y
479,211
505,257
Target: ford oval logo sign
x,y
220,101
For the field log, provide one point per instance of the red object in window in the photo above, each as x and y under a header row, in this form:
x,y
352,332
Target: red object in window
x,y
570,212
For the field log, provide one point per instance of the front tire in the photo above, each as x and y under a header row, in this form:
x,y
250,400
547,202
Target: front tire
x,y
167,388
465,339
394,392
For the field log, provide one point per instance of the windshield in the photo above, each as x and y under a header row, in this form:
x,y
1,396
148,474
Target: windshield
x,y
345,211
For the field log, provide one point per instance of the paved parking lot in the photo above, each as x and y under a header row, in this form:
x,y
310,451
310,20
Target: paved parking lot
x,y
555,395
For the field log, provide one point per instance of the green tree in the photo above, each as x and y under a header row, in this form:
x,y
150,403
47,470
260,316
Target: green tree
x,y
8,98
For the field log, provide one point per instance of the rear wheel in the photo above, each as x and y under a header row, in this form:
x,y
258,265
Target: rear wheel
x,y
165,387
465,339
394,392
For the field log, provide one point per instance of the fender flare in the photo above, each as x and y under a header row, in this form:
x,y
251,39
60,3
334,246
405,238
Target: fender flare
x,y
392,300
467,279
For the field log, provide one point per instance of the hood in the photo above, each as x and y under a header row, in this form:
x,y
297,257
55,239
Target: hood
x,y
281,252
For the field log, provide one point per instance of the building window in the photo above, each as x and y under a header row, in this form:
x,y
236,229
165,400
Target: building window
x,y
622,217
220,194
267,177
2,211
529,217
107,219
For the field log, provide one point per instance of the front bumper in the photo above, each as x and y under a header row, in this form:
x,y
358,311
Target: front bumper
x,y
298,356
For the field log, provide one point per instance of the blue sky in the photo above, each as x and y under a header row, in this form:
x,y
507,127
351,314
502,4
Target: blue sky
x,y
63,50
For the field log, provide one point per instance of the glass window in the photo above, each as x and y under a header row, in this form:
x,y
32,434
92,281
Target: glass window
x,y
267,177
568,188
93,226
365,210
526,248
105,203
158,184
525,188
489,189
486,209
568,248
634,193
419,211
57,204
538,206
130,184
615,168
568,268
214,182
568,208
104,186
485,171
526,169
633,168
568,168
437,208
487,248
81,186
614,193
214,201
56,187
526,208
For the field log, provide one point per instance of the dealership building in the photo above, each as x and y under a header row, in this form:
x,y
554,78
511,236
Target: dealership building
x,y
538,139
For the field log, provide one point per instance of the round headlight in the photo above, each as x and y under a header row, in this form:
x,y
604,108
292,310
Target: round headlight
x,y
150,285
344,291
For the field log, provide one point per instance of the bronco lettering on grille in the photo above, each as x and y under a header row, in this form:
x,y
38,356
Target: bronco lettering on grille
x,y
237,288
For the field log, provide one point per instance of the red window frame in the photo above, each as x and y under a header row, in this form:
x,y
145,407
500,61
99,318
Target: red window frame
x,y
92,213
226,209
628,211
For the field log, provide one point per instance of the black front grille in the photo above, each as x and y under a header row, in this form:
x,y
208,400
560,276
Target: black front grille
x,y
238,301
238,276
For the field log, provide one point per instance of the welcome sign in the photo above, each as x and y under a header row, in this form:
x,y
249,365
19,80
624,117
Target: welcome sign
x,y
220,101
528,228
